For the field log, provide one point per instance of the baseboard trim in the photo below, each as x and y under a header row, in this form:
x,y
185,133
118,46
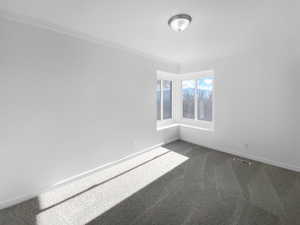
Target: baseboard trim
x,y
251,157
11,202
264,160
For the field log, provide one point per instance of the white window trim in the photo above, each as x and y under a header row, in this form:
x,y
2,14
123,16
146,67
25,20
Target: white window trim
x,y
165,122
177,111
209,125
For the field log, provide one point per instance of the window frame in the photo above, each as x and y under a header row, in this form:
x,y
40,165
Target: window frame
x,y
162,121
181,99
209,125
177,100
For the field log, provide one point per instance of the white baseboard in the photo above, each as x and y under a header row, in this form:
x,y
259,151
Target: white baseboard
x,y
264,160
14,201
251,157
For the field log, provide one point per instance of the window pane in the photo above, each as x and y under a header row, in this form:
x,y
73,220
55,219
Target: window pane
x,y
167,96
204,98
188,98
158,101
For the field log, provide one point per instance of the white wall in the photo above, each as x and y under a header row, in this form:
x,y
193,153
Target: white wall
x,y
256,102
68,105
257,91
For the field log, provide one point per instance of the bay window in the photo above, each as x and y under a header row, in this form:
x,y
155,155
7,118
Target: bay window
x,y
185,100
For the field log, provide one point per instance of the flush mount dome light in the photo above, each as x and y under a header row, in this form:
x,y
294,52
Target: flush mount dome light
x,y
180,22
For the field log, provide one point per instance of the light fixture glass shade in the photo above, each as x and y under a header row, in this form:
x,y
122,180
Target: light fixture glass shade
x,y
180,22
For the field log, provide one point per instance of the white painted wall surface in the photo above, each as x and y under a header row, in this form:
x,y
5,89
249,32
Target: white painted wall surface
x,y
256,103
257,89
68,105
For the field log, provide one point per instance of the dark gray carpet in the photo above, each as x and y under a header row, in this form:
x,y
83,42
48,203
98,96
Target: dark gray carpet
x,y
210,188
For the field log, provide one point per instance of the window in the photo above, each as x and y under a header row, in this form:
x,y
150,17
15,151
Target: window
x,y
158,100
167,99
185,100
164,99
188,98
197,99
204,99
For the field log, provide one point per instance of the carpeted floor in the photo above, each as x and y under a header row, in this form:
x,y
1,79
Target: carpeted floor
x,y
179,184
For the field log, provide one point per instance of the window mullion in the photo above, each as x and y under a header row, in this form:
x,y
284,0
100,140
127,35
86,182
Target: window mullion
x,y
173,100
161,100
196,102
180,101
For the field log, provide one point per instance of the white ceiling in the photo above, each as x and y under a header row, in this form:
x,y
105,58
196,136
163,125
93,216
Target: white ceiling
x,y
219,28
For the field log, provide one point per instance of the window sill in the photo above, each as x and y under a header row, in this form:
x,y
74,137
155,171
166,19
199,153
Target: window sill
x,y
196,127
164,127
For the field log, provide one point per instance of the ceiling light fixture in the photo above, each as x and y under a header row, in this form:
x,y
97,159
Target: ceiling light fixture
x,y
180,22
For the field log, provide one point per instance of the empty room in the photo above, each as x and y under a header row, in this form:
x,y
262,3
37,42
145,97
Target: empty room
x,y
138,112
